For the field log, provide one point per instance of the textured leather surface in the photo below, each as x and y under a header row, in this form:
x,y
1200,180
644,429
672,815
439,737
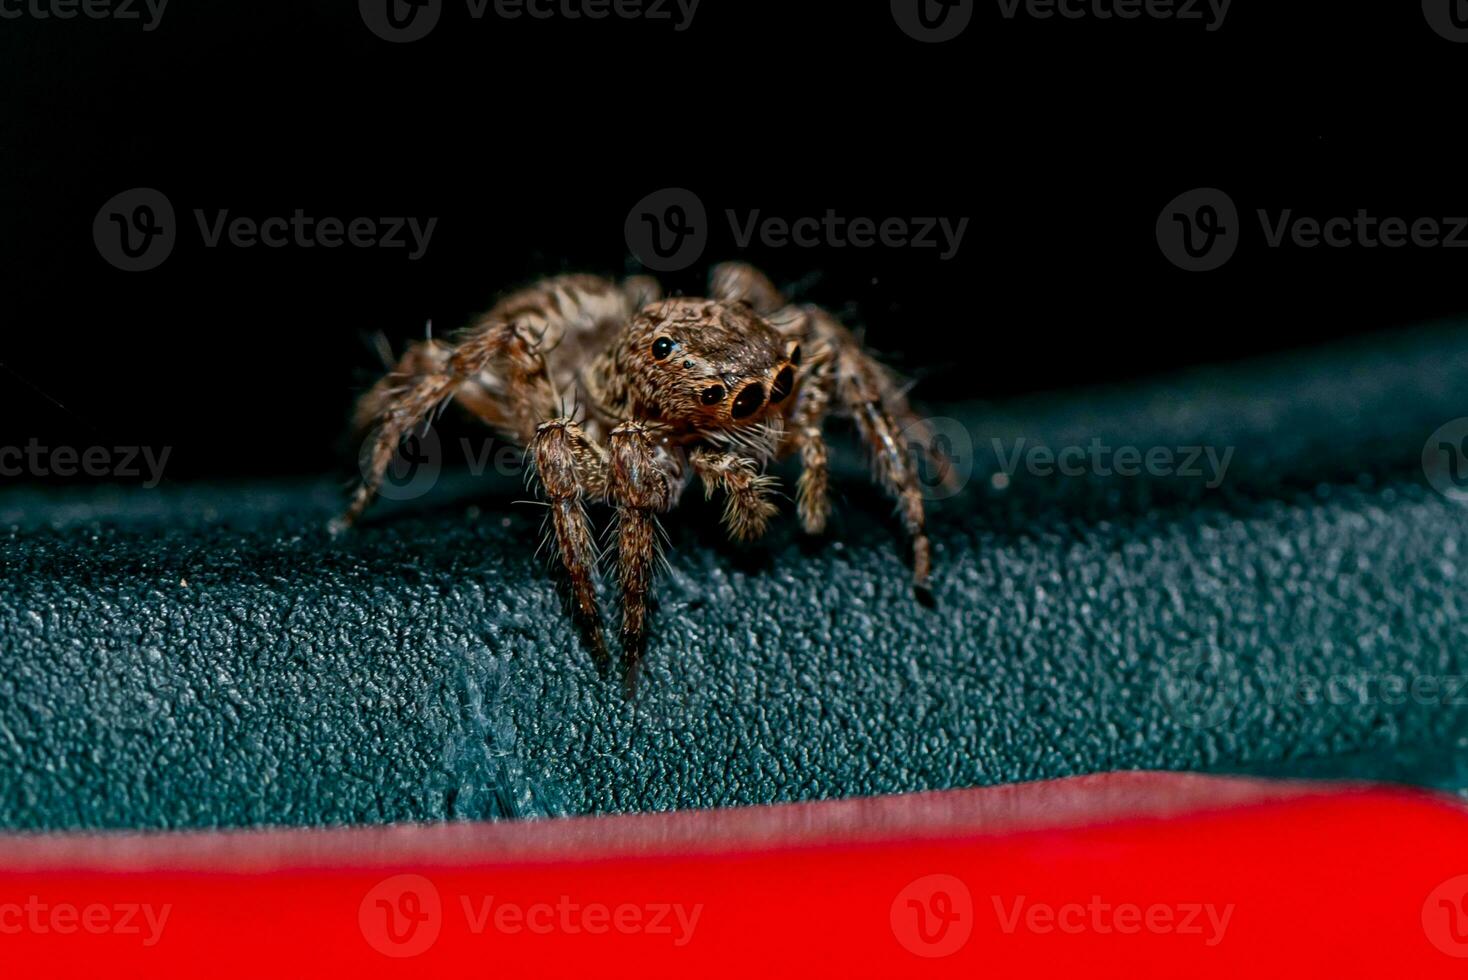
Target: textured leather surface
x,y
197,656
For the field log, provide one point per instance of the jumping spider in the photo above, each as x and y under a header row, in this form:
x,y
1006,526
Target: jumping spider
x,y
662,389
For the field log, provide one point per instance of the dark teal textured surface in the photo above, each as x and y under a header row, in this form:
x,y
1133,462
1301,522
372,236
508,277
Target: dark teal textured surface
x,y
205,656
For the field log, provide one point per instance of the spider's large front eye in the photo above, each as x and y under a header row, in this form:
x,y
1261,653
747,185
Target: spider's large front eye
x,y
712,395
748,401
662,347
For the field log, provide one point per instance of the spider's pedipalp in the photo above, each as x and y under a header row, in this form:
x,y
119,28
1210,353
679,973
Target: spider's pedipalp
x,y
747,508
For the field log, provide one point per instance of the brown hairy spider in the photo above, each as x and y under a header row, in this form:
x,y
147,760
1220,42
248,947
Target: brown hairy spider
x,y
663,389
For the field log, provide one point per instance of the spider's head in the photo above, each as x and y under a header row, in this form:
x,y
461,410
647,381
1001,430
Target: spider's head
x,y
710,365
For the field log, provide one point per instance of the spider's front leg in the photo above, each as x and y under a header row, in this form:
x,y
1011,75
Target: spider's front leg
x,y
639,486
812,489
860,392
570,466
747,508
863,389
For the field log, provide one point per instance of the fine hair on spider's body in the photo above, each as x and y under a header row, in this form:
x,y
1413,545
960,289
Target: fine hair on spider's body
x,y
621,396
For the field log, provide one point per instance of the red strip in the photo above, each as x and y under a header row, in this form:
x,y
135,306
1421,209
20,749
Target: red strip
x,y
1130,874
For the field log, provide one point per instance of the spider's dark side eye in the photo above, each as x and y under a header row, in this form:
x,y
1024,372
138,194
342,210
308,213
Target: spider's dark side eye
x,y
712,395
795,355
784,381
662,347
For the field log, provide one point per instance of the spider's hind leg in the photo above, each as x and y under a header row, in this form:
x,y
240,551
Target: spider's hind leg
x,y
740,282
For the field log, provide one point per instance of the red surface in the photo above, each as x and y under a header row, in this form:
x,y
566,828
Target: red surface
x,y
1100,876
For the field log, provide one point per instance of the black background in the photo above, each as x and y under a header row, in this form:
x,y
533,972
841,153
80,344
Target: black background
x,y
1060,140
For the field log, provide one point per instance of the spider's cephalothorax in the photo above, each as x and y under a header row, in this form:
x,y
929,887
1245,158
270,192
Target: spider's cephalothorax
x,y
622,397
